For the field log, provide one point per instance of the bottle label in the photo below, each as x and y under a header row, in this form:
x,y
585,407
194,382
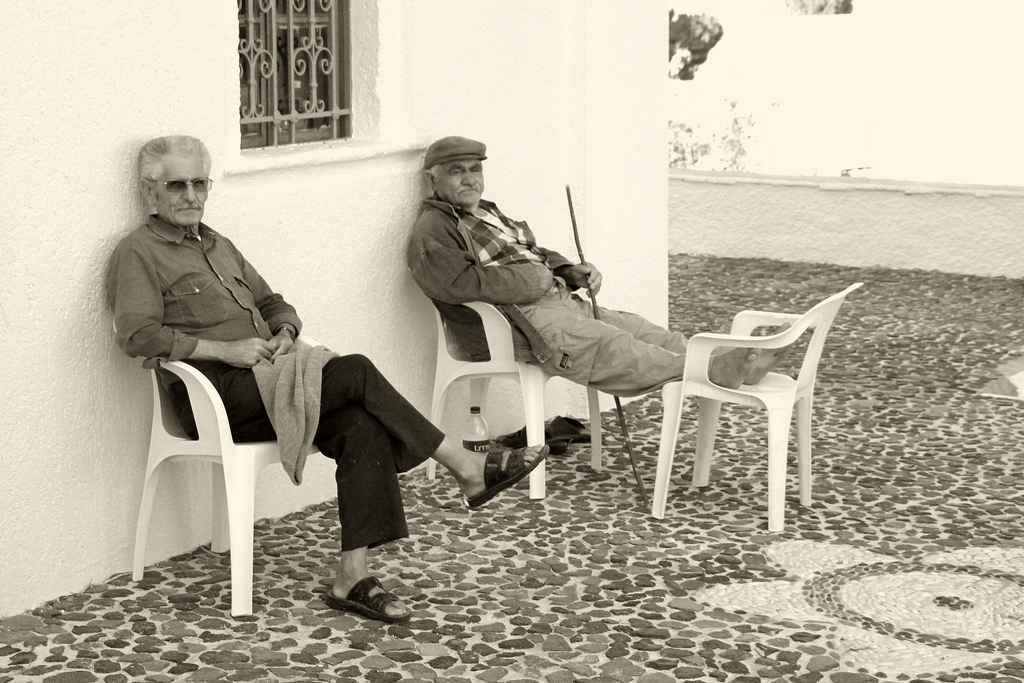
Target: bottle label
x,y
477,446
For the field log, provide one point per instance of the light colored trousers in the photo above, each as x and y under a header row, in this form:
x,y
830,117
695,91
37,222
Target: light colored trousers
x,y
622,354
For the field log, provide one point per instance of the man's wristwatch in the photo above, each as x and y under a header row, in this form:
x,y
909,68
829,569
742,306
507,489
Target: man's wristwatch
x,y
291,330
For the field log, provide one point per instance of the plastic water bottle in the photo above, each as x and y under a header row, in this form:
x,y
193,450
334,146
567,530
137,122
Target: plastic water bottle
x,y
476,437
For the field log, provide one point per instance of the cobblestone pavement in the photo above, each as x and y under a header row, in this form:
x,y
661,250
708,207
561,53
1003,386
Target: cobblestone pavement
x,y
907,567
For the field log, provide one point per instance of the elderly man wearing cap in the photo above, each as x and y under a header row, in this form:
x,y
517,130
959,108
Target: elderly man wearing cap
x,y
181,291
463,248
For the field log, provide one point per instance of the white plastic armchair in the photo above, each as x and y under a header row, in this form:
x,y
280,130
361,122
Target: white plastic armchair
x,y
236,468
778,394
452,367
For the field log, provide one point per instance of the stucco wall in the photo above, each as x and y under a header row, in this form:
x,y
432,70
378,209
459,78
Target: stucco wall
x,y
542,83
954,228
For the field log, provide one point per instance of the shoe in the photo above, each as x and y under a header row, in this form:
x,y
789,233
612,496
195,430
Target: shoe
x,y
559,432
568,428
558,446
518,440
361,602
500,472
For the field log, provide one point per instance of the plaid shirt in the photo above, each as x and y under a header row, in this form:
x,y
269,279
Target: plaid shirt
x,y
501,241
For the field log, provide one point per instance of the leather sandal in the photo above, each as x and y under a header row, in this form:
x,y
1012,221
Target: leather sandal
x,y
360,601
502,470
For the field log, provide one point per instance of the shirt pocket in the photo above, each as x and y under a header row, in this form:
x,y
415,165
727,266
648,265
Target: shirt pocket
x,y
194,301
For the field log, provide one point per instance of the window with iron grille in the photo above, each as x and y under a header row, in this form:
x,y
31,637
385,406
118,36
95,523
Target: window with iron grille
x,y
293,71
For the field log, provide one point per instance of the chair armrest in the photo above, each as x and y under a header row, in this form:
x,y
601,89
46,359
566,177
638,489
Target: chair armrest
x,y
497,330
700,346
207,407
746,322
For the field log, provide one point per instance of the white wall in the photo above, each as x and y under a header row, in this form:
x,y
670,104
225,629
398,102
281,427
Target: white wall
x,y
544,84
974,230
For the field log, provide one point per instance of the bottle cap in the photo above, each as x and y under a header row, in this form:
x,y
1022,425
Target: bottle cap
x,y
474,409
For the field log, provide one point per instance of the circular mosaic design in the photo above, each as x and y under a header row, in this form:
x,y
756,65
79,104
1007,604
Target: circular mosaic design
x,y
903,599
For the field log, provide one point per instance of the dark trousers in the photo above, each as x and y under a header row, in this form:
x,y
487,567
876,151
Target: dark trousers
x,y
369,429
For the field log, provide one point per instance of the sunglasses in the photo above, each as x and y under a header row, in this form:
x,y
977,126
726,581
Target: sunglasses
x,y
200,185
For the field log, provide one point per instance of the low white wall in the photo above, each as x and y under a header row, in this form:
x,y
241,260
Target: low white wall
x,y
849,221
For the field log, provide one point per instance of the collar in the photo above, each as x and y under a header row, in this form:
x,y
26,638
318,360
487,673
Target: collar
x,y
173,233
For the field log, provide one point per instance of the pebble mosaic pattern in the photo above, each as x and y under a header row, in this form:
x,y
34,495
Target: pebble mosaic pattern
x,y
907,567
826,593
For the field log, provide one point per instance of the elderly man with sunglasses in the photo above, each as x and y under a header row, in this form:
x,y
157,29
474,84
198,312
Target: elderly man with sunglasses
x,y
181,291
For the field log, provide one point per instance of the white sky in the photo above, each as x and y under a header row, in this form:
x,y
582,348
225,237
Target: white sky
x,y
918,89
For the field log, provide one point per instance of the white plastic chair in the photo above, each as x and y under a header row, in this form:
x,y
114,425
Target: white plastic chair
x,y
236,468
532,380
776,393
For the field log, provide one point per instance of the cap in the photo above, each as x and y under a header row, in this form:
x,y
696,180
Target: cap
x,y
452,148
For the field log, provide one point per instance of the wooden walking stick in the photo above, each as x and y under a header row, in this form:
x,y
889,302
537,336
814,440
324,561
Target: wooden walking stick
x,y
597,316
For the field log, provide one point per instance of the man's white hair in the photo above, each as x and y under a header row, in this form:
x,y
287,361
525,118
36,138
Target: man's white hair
x,y
152,154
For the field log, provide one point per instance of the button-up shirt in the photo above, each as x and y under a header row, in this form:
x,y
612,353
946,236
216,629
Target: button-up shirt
x,y
169,289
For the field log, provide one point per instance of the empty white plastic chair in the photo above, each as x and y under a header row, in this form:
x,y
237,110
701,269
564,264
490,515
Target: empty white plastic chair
x,y
778,394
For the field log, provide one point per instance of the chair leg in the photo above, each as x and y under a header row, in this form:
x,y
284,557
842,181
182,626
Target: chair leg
x,y
803,445
778,441
221,539
436,415
596,456
532,381
708,412
431,468
149,490
240,484
672,398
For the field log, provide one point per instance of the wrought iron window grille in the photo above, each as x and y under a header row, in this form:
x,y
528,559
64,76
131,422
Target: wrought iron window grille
x,y
294,71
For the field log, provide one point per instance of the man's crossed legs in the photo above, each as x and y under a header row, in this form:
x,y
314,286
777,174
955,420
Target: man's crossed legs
x,y
373,434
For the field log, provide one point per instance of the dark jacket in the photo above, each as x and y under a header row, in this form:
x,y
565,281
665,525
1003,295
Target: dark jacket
x,y
447,270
